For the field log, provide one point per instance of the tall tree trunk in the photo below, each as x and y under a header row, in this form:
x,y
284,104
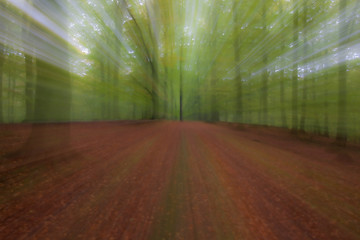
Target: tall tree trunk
x,y
108,89
316,127
151,56
294,87
326,101
119,5
213,101
103,94
282,75
29,72
115,98
166,97
13,93
341,134
172,101
10,93
155,94
52,95
214,111
29,91
238,79
264,92
181,82
198,97
305,80
2,61
282,99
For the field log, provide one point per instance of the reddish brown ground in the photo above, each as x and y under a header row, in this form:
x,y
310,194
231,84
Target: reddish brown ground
x,y
172,180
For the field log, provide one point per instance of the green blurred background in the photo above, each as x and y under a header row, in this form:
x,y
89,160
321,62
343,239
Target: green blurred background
x,y
288,63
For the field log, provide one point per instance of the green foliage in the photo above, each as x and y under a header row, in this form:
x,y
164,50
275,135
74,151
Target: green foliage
x,y
232,59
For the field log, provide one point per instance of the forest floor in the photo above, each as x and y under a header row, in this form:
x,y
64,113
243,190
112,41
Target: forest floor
x,y
179,180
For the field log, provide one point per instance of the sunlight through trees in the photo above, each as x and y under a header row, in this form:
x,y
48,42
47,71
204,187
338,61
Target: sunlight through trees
x,y
288,63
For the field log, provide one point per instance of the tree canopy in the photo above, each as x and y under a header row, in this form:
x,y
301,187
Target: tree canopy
x,y
289,63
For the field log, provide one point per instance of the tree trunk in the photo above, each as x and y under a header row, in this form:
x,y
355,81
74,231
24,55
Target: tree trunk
x,y
326,103
341,134
155,95
264,92
2,61
103,94
305,80
282,75
238,79
294,87
29,72
166,97
181,83
214,108
13,93
29,91
52,96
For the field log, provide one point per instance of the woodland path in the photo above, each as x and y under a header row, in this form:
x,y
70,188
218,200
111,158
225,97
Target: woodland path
x,y
173,180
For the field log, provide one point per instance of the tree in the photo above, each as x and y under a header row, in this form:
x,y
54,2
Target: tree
x,y
2,60
181,83
282,75
149,52
237,47
214,112
264,78
294,87
53,88
29,73
305,79
341,134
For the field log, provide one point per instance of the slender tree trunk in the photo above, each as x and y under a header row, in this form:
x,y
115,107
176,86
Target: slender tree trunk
x,y
282,99
166,76
214,108
341,134
166,97
326,103
115,100
103,94
172,101
119,5
294,87
153,61
29,73
154,92
264,92
214,111
13,93
238,79
10,93
2,61
249,118
282,75
115,81
108,91
181,83
29,91
134,112
305,80
316,127
198,98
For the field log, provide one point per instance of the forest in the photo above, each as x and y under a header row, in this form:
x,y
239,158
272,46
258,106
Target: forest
x,y
194,98
293,64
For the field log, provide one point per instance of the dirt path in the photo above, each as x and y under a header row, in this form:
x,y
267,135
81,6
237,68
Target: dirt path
x,y
172,180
